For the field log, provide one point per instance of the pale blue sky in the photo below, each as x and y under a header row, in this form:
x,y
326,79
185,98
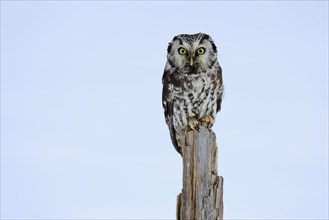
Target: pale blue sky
x,y
82,127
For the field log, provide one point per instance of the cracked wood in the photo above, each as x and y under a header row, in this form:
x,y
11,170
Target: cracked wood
x,y
202,194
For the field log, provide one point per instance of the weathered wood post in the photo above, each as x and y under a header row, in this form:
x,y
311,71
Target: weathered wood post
x,y
202,194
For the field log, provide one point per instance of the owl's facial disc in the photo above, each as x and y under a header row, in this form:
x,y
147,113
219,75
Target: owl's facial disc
x,y
191,54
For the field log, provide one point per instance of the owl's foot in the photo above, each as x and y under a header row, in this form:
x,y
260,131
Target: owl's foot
x,y
193,124
207,121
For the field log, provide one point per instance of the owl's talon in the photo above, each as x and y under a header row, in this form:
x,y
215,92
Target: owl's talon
x,y
193,124
207,121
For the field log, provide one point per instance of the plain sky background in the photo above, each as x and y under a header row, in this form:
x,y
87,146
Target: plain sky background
x,y
82,128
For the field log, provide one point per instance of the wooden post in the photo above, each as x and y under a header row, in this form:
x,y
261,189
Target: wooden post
x,y
202,194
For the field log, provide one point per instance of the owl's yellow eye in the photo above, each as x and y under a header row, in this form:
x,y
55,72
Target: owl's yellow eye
x,y
201,51
182,51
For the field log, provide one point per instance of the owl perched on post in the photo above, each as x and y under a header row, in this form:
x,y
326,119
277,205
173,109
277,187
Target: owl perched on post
x,y
192,85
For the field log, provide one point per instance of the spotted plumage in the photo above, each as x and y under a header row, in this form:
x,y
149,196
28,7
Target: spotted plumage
x,y
192,85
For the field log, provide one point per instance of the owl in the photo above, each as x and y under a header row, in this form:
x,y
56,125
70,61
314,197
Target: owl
x,y
192,85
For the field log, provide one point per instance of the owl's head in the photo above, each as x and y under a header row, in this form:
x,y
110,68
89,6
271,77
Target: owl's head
x,y
192,53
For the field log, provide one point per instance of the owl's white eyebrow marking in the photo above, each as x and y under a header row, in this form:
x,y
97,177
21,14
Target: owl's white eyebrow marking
x,y
187,46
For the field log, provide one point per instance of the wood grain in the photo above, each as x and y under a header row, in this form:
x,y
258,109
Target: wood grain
x,y
202,194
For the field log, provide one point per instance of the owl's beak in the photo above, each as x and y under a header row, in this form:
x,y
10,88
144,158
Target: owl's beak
x,y
191,61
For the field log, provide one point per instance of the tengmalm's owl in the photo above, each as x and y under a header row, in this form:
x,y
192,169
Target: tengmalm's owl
x,y
192,85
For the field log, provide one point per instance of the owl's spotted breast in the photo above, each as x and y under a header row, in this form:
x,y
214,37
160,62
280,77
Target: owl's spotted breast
x,y
195,98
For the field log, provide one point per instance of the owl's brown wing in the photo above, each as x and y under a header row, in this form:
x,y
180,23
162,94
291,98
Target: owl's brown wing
x,y
167,104
220,90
